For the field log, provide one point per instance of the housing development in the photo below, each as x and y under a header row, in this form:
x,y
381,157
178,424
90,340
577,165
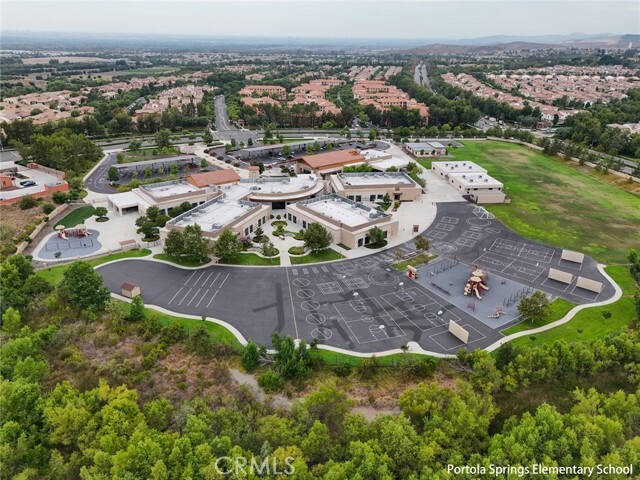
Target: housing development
x,y
236,245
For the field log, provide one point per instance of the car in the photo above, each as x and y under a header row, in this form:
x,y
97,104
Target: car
x,y
27,183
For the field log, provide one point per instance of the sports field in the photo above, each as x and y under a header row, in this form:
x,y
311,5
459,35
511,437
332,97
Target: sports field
x,y
558,202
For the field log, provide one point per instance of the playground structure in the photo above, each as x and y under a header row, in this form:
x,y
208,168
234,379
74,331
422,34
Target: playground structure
x,y
77,231
476,282
412,272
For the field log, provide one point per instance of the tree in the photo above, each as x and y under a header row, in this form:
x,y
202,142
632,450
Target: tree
x,y
421,243
136,309
174,243
14,272
377,236
535,307
174,169
290,361
228,246
373,134
120,157
207,137
135,145
11,323
286,150
100,212
204,163
83,287
251,356
195,245
113,175
250,142
316,237
163,138
199,341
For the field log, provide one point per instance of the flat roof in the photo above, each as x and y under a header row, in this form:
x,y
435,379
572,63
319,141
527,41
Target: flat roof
x,y
284,185
375,178
215,214
345,211
459,167
127,199
419,145
169,189
476,179
146,163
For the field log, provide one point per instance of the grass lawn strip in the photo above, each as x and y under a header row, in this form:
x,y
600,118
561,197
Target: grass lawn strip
x,y
321,256
76,217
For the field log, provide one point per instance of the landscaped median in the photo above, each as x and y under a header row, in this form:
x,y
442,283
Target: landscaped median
x,y
415,261
181,261
326,255
252,259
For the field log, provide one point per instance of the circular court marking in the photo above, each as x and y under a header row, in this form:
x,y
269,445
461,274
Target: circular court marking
x,y
419,308
305,293
492,230
430,316
478,222
300,282
321,333
443,247
383,278
367,318
309,305
316,318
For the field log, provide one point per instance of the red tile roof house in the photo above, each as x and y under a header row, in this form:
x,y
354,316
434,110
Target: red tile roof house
x,y
217,177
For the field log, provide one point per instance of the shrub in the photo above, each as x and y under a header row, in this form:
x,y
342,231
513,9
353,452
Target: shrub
x,y
368,367
271,382
27,202
342,370
422,367
47,208
296,250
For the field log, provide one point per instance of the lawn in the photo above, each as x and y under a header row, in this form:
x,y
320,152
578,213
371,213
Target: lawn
x,y
335,358
147,154
558,202
321,256
253,259
413,261
589,324
54,275
559,308
218,332
180,261
76,217
425,162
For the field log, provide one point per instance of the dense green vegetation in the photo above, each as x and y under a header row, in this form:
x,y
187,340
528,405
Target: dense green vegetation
x,y
97,388
557,203
248,258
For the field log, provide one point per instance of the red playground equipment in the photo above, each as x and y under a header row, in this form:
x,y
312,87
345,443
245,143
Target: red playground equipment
x,y
78,231
412,272
476,282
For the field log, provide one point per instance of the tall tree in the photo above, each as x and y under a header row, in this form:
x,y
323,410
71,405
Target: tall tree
x,y
83,287
316,237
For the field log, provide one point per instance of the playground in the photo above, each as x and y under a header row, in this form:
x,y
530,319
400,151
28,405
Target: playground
x,y
74,242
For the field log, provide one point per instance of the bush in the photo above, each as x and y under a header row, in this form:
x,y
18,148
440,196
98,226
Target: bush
x,y
47,208
271,382
296,250
342,370
27,202
60,197
422,367
368,367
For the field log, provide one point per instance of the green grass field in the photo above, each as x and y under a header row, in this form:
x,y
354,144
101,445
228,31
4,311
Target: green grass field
x,y
54,275
559,308
414,261
218,332
253,259
559,203
335,358
589,324
321,256
76,217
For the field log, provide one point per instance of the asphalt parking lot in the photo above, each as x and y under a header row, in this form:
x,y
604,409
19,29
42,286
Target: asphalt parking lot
x,y
363,305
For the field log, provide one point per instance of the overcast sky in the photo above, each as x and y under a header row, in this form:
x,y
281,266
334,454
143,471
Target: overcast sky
x,y
417,19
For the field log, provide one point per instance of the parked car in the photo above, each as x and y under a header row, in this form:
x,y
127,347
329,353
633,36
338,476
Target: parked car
x,y
27,183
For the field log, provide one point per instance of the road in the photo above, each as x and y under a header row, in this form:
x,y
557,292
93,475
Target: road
x,y
225,130
421,77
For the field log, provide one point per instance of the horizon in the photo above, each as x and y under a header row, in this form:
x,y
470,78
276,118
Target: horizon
x,y
284,19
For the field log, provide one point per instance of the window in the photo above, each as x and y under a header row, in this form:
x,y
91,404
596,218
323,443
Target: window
x,y
350,197
380,197
251,229
295,219
246,232
358,198
361,242
372,198
304,224
259,221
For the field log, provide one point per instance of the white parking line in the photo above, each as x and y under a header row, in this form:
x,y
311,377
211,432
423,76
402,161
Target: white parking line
x,y
225,279
194,297
190,277
214,280
173,298
202,298
214,296
198,279
205,280
185,296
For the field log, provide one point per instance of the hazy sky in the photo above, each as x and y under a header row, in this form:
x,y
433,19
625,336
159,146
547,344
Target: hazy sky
x,y
417,19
